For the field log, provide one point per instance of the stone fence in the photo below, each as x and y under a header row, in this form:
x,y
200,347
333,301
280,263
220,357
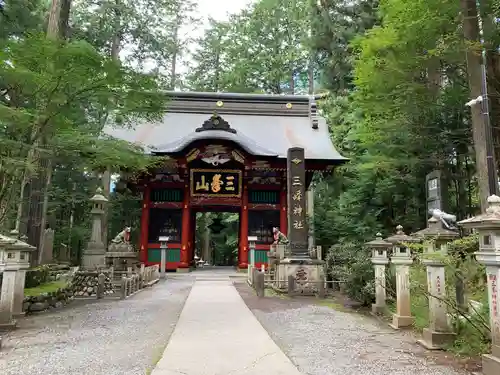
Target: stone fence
x,y
134,282
396,250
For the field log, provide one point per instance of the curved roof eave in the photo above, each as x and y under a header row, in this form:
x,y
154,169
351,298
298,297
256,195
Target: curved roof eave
x,y
248,144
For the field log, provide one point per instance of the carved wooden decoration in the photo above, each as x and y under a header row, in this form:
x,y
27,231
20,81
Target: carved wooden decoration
x,y
216,123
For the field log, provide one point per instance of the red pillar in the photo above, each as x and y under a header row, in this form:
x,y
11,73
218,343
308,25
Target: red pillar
x,y
283,212
185,231
144,224
243,248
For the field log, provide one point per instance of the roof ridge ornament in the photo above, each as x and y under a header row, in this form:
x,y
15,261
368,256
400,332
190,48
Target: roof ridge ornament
x,y
215,122
313,113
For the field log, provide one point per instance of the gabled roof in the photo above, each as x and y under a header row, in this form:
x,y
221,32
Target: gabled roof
x,y
264,125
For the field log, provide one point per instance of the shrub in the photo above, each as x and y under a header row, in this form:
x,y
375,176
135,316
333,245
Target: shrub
x,y
351,264
37,276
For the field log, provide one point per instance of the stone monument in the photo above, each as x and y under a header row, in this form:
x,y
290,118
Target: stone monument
x,y
380,260
307,272
488,228
402,259
94,255
439,333
121,254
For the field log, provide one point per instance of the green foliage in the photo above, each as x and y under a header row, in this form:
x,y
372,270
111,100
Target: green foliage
x,y
125,211
261,49
352,266
37,276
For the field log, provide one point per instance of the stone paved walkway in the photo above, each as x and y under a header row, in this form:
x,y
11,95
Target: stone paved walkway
x,y
108,337
217,334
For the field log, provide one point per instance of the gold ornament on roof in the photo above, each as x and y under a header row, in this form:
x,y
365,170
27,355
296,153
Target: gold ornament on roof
x,y
289,105
219,103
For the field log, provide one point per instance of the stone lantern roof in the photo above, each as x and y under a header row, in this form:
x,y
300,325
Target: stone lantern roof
x,y
435,229
491,218
98,197
4,240
14,243
378,242
400,237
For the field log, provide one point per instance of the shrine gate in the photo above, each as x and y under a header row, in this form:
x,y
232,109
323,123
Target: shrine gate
x,y
225,152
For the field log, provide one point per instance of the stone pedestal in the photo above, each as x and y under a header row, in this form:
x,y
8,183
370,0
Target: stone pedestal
x,y
121,256
307,275
20,282
438,334
379,307
402,318
488,229
7,300
491,362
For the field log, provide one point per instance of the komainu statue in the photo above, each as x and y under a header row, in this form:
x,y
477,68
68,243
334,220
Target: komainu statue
x,y
123,237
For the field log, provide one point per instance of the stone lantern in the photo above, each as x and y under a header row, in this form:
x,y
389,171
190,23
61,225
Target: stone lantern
x,y
94,256
436,238
15,259
402,259
488,229
380,259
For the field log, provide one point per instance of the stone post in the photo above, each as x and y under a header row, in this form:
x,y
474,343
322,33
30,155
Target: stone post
x,y
260,284
16,259
101,280
142,272
380,260
291,285
163,255
436,238
321,287
251,241
123,290
488,228
402,259
94,255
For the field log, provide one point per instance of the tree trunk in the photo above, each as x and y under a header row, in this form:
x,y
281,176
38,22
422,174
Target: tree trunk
x,y
175,37
54,19
64,19
474,72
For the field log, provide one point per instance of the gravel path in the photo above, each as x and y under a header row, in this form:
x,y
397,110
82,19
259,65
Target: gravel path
x,y
321,340
107,337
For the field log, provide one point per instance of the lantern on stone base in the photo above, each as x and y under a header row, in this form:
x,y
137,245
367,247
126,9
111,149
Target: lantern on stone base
x,y
487,226
438,334
402,259
380,259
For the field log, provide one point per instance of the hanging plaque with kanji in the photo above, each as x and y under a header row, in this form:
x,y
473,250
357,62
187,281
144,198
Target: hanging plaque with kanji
x,y
215,183
297,224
